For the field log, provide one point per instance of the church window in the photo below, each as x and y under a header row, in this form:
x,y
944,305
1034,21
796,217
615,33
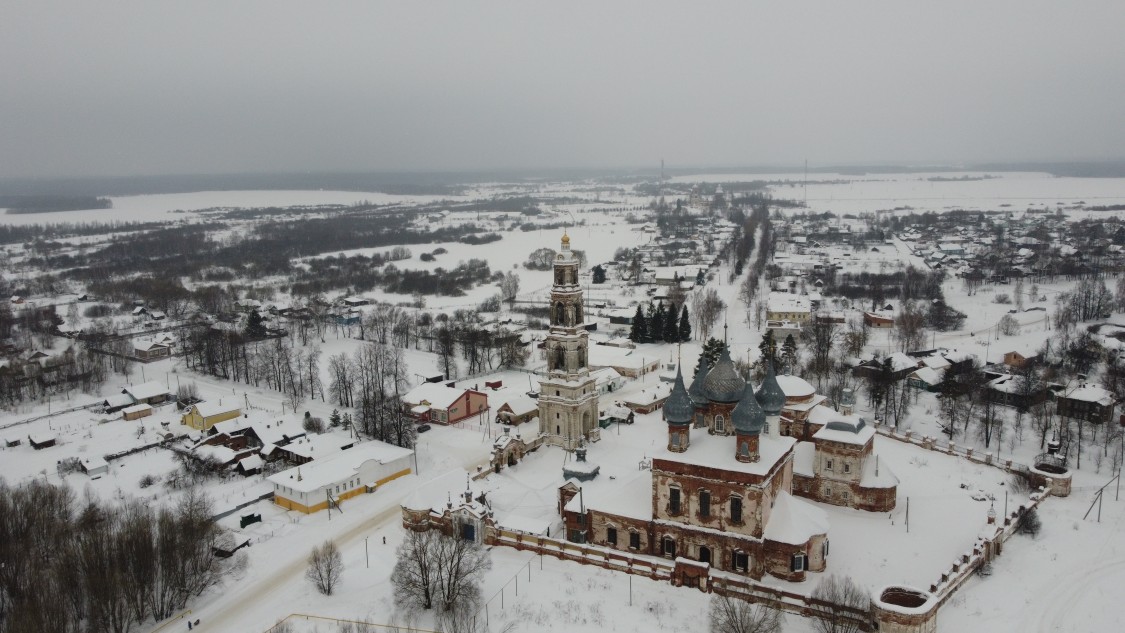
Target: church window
x,y
744,449
740,560
736,509
705,504
720,424
558,429
674,500
828,492
669,546
844,495
675,439
611,536
634,540
828,464
797,563
847,468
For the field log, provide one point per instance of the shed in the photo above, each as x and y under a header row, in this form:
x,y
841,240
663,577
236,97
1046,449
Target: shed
x,y
136,412
40,441
95,466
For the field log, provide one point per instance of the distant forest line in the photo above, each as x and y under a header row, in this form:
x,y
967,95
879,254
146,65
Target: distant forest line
x,y
453,182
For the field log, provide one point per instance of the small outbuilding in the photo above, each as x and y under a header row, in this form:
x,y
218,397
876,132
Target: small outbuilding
x,y
136,412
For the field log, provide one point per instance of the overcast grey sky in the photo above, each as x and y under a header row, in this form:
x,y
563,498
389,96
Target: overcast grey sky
x,y
107,88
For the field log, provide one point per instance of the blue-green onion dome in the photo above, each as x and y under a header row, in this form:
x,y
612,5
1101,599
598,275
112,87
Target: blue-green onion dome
x,y
748,417
770,396
723,384
679,409
696,391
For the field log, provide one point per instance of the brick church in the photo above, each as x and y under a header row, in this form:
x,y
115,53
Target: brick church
x,y
721,493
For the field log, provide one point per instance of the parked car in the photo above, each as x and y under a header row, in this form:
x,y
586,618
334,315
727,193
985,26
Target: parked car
x,y
422,428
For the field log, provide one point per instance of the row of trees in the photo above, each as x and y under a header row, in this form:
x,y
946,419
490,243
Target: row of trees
x,y
69,567
660,325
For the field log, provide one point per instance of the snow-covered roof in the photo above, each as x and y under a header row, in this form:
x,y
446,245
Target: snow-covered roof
x,y
143,391
794,386
609,356
344,464
804,454
118,400
521,405
902,362
846,429
144,346
877,474
649,395
94,462
929,375
1088,392
437,492
525,524
252,462
137,408
209,408
319,446
794,521
718,451
437,395
786,302
630,498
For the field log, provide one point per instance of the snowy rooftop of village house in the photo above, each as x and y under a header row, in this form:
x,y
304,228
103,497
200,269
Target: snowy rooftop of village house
x,y
328,471
150,389
137,408
1089,392
319,446
786,302
648,395
209,408
718,451
435,394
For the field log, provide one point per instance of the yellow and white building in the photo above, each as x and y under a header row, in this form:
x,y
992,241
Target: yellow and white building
x,y
357,470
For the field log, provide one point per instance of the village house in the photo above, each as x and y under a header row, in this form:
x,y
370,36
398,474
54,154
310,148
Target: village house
x,y
148,351
204,415
151,392
1086,401
783,306
443,404
363,468
517,410
879,319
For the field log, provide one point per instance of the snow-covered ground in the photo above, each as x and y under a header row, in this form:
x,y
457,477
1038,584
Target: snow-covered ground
x,y
1062,581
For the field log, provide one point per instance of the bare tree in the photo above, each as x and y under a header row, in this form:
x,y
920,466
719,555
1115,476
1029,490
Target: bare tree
x,y
706,307
510,288
438,570
734,615
325,567
843,600
413,575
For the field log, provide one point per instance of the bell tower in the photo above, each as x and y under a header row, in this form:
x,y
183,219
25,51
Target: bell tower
x,y
568,396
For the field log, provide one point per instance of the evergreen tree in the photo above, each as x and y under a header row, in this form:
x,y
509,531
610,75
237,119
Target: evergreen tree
x,y
671,331
768,347
255,326
656,325
789,353
640,327
599,274
712,350
334,419
685,326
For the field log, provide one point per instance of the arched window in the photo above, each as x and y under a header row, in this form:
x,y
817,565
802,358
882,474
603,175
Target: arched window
x,y
720,424
743,449
559,313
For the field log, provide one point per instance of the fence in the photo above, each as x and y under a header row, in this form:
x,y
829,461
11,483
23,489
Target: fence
x,y
661,569
361,626
949,448
49,415
227,513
